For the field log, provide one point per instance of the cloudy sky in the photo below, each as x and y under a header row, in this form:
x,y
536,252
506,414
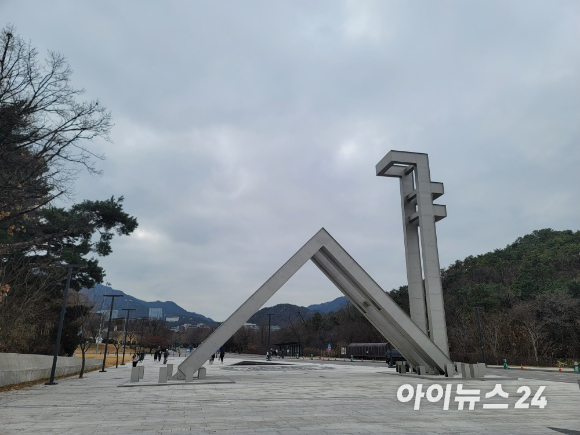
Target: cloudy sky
x,y
242,128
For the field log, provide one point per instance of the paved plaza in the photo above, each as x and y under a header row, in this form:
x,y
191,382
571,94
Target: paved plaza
x,y
297,397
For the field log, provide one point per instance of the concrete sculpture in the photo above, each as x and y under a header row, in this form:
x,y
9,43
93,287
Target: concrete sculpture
x,y
417,195
421,338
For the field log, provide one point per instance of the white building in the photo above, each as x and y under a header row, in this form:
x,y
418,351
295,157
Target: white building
x,y
155,313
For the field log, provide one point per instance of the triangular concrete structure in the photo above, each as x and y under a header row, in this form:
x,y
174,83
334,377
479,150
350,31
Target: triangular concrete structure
x,y
357,286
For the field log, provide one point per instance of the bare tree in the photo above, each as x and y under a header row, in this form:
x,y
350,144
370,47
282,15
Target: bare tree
x,y
43,128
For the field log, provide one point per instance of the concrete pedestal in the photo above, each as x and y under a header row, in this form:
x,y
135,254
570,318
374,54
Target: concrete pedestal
x,y
162,375
189,374
169,371
135,374
201,373
449,370
465,372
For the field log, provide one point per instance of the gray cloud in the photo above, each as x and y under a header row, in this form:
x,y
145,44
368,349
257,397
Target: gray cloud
x,y
242,128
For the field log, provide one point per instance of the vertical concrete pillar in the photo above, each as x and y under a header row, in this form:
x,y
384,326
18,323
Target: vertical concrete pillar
x,y
400,164
201,373
169,371
413,255
141,371
134,374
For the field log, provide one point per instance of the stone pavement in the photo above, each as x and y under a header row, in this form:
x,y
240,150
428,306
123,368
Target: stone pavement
x,y
305,396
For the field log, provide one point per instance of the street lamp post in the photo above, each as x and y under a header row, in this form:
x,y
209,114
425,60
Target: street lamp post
x,y
61,322
141,338
477,309
125,334
269,323
109,327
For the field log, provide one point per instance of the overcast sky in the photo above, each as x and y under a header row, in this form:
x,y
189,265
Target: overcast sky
x,y
242,128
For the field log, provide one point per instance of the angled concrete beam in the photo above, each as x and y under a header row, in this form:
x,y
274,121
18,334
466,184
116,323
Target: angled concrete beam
x,y
416,344
355,284
228,328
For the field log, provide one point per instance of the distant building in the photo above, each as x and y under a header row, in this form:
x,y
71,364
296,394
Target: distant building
x,y
172,319
155,313
251,326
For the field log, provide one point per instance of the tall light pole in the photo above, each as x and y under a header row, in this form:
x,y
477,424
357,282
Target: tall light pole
x,y
125,335
61,322
142,327
269,323
109,327
480,334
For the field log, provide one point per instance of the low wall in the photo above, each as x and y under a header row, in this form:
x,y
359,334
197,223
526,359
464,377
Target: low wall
x,y
16,368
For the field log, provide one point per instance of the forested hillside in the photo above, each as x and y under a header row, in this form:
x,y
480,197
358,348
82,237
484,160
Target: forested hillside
x,y
530,298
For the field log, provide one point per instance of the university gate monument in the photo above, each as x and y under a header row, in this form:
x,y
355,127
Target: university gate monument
x,y
422,337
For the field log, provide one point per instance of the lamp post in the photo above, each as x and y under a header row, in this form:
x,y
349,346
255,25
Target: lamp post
x,y
125,334
141,338
269,322
109,327
61,322
480,334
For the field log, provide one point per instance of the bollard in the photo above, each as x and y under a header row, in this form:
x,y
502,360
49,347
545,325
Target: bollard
x,y
141,372
465,372
311,356
162,375
421,370
134,374
482,369
169,371
473,371
449,370
201,373
189,374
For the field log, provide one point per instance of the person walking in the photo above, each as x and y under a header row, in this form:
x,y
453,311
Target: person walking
x,y
165,356
135,360
155,356
222,354
212,358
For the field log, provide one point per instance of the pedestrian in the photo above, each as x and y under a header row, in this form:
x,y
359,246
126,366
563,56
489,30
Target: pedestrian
x,y
222,354
165,356
212,358
155,356
142,356
135,360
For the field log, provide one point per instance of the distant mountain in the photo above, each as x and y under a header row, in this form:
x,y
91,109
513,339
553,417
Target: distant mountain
x,y
170,308
283,315
327,307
